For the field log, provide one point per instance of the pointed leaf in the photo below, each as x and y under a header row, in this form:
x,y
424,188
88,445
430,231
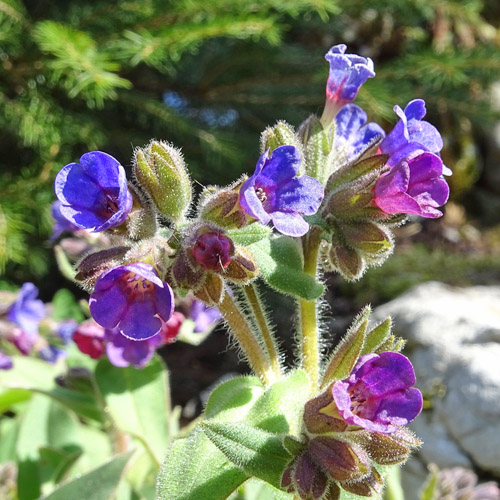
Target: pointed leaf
x,y
279,261
138,402
257,452
195,469
249,234
377,336
348,351
98,484
231,401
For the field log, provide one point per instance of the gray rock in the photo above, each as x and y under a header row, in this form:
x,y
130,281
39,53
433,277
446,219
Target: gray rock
x,y
454,343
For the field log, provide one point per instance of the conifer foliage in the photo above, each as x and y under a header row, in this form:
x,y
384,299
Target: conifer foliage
x,y
89,75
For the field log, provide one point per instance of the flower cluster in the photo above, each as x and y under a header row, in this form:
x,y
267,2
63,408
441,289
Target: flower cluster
x,y
356,422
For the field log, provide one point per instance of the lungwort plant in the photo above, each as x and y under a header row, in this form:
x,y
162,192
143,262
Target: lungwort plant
x,y
323,197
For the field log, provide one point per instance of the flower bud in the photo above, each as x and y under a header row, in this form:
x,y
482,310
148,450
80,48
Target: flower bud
x,y
212,251
281,134
161,171
223,208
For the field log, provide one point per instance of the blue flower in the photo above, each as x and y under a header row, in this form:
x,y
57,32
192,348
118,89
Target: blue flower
x,y
133,299
348,72
353,136
52,353
27,311
411,133
94,193
275,193
5,361
61,224
204,317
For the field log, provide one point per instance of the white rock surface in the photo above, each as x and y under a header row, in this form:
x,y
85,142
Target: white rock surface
x,y
454,343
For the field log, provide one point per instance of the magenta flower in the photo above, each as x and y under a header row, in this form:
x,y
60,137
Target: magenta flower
x,y
353,135
275,193
23,341
94,193
213,251
27,311
412,133
89,337
133,299
413,186
378,396
123,352
5,361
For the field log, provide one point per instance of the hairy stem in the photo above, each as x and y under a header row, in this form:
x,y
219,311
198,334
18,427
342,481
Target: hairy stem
x,y
260,316
241,329
308,312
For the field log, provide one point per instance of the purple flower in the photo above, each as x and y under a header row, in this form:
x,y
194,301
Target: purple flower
x,y
61,224
133,299
213,251
275,193
124,352
412,133
27,311
52,353
23,341
378,396
352,134
414,186
204,317
65,330
347,73
94,193
5,361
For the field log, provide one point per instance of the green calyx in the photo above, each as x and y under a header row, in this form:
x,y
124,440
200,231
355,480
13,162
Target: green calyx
x,y
161,171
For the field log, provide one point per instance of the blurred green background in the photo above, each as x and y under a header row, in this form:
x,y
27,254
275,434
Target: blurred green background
x,y
210,76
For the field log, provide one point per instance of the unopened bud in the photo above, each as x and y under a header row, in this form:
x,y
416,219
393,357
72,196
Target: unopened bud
x,y
161,171
213,251
281,134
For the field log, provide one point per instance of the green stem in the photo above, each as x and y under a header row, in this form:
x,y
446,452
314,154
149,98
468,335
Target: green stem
x,y
253,299
308,312
245,337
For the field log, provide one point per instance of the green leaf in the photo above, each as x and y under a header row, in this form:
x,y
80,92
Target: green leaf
x,y
279,409
249,234
279,261
98,484
29,373
377,336
195,469
257,452
346,354
11,397
231,400
254,489
66,307
428,493
138,402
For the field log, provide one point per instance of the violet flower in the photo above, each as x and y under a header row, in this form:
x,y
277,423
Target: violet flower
x,y
414,186
65,330
378,396
5,361
352,134
27,311
275,193
348,72
123,352
412,133
52,353
89,337
61,224
133,299
94,193
204,317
